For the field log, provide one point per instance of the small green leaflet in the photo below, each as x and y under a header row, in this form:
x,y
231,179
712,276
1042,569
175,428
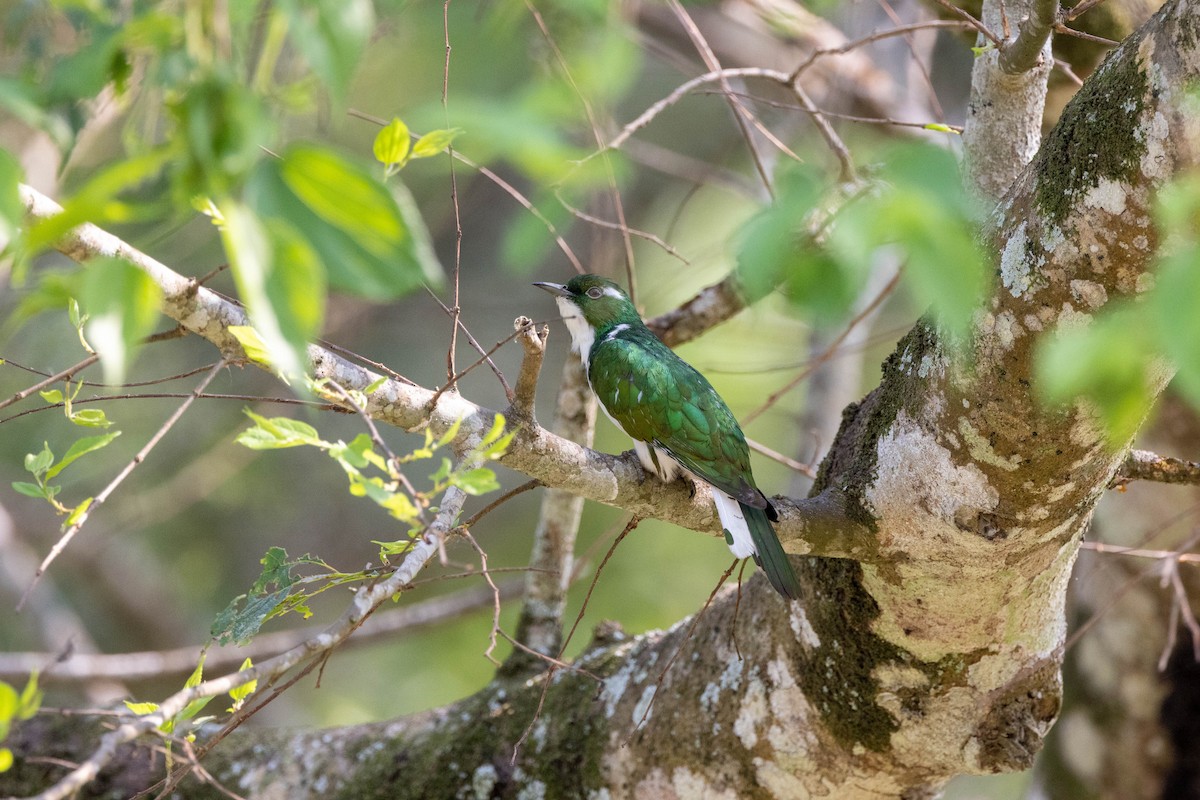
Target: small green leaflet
x,y
392,144
434,142
238,694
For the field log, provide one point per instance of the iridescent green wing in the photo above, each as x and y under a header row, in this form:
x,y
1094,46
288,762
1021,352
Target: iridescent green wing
x,y
659,398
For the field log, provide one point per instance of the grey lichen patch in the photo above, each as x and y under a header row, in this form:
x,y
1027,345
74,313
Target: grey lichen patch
x,y
1097,137
852,466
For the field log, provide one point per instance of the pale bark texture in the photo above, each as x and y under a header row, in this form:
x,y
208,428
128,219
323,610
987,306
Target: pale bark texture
x,y
931,646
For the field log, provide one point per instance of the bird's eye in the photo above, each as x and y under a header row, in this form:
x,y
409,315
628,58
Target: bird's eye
x,y
595,292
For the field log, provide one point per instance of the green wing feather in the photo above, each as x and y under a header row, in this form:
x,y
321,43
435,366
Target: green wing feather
x,y
659,398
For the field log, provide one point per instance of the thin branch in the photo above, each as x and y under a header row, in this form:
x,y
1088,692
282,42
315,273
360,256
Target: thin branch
x,y
104,494
848,173
55,378
984,30
899,30
1143,465
452,380
804,469
741,114
615,226
1087,37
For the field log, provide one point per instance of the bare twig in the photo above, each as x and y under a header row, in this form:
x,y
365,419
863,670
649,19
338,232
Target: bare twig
x,y
1143,465
804,469
104,494
984,30
610,174
533,342
899,30
55,378
615,226
452,381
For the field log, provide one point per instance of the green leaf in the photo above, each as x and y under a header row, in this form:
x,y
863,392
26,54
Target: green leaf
x,y
238,694
477,481
375,384
122,305
277,432
38,463
372,240
434,142
80,448
6,759
31,698
91,418
280,280
96,201
392,143
52,396
141,709
940,128
400,507
77,513
9,702
331,34
252,344
28,489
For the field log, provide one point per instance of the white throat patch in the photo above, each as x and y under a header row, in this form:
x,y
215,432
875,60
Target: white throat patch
x,y
582,335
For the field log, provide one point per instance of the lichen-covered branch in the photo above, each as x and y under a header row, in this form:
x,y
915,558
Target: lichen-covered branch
x,y
1143,465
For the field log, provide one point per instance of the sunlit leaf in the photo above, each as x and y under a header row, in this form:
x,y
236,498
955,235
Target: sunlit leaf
x,y
77,514
12,211
277,432
9,702
434,142
141,709
39,462
238,694
476,481
392,143
79,449
6,759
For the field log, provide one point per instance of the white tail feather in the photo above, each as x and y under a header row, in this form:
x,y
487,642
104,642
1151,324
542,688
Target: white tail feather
x,y
731,518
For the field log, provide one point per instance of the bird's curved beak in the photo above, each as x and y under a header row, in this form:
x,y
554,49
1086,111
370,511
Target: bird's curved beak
x,y
556,289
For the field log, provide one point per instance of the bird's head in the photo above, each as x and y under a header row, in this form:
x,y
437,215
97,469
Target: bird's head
x,y
599,301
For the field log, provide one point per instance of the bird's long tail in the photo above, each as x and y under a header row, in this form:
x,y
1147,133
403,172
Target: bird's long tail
x,y
769,552
749,533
